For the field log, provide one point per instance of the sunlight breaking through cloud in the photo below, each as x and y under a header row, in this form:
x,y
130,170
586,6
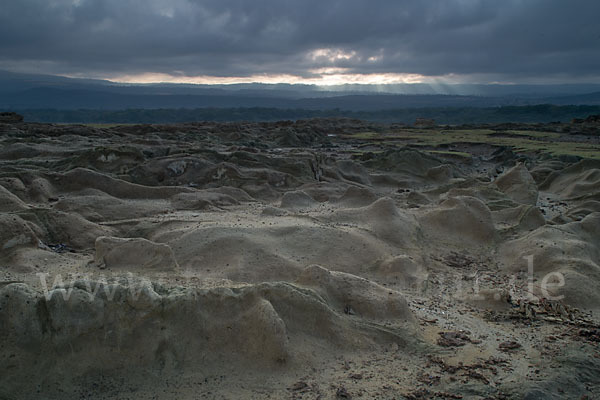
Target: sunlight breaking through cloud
x,y
322,77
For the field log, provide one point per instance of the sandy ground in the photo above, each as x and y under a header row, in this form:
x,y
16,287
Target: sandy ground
x,y
293,260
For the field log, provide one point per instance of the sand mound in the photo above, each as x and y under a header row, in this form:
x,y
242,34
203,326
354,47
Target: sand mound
x,y
489,194
409,168
19,315
237,194
442,173
227,174
113,160
583,209
270,211
133,254
119,328
15,185
542,170
56,227
81,178
169,170
15,234
208,168
201,200
402,270
324,191
270,253
519,219
518,184
261,191
287,138
383,220
352,294
579,181
415,199
122,327
296,200
353,172
99,207
41,190
405,160
16,151
250,255
29,187
464,220
9,202
570,249
113,199
355,197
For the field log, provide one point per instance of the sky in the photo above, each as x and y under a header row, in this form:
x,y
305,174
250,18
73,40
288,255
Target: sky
x,y
319,42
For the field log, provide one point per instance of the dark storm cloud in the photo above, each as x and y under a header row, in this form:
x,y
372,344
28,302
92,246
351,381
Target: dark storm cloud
x,y
509,39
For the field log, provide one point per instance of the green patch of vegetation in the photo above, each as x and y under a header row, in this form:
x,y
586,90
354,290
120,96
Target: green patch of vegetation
x,y
450,153
535,134
358,152
573,149
364,135
519,141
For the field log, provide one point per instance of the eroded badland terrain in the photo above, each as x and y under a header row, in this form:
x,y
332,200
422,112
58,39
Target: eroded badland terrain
x,y
299,260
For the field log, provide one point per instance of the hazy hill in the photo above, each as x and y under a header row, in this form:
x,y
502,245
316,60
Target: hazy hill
x,y
23,91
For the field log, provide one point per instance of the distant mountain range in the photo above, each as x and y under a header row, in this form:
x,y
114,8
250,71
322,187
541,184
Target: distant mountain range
x,y
30,92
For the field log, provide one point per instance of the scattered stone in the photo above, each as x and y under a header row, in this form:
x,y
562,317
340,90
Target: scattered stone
x,y
342,393
592,335
423,393
477,375
509,346
349,310
428,379
300,385
453,339
60,248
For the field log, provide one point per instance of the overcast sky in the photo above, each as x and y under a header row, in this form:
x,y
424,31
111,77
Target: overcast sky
x,y
312,41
